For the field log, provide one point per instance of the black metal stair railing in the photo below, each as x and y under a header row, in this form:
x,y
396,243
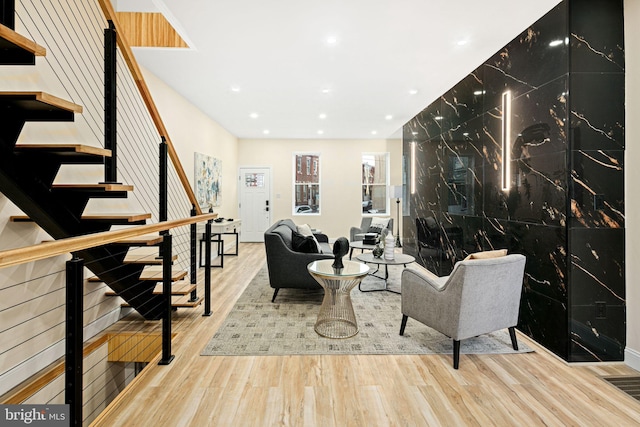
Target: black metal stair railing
x,y
27,177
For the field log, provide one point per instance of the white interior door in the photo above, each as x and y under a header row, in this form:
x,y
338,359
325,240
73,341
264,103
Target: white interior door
x,y
255,202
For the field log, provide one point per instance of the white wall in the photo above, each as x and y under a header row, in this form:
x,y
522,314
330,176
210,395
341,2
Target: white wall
x,y
340,175
632,202
192,131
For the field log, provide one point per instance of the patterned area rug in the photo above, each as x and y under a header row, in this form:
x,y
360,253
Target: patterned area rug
x,y
256,326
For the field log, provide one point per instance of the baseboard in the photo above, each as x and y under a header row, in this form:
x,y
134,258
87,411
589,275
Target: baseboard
x,y
632,358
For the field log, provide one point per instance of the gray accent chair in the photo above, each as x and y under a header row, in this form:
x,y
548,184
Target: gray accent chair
x,y
356,233
478,297
288,268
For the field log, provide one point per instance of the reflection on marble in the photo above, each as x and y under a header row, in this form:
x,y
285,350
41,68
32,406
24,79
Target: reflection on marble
x,y
565,207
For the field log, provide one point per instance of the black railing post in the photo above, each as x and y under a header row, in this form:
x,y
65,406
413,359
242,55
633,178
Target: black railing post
x,y
192,258
74,339
164,149
167,357
162,187
207,269
110,104
8,13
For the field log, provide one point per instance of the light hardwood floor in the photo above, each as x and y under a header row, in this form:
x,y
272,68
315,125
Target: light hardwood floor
x,y
534,389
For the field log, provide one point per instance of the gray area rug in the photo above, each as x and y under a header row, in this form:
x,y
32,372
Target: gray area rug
x,y
256,326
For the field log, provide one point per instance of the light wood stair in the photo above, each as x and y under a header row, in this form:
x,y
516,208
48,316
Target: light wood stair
x,y
182,287
144,240
153,274
139,256
115,219
40,106
179,301
63,153
16,49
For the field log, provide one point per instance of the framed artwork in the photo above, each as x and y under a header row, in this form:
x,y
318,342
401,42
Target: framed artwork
x,y
208,177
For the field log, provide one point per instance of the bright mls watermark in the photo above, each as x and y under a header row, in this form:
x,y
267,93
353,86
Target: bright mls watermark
x,y
35,415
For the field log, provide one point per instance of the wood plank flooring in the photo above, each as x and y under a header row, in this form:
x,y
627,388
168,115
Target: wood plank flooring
x,y
535,389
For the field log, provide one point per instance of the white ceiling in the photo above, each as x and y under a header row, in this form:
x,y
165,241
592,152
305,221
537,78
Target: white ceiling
x,y
277,56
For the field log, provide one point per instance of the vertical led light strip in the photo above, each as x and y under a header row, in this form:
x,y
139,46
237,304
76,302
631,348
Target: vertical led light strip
x,y
413,167
506,140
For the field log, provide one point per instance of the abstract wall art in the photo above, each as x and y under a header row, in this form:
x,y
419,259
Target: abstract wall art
x,y
208,180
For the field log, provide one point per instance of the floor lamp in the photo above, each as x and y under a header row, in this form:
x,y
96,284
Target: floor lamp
x,y
397,194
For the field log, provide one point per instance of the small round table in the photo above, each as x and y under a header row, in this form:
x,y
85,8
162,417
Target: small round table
x,y
336,318
398,259
359,244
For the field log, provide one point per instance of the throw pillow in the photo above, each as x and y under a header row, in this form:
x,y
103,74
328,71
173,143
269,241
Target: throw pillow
x,y
487,254
377,225
305,230
302,243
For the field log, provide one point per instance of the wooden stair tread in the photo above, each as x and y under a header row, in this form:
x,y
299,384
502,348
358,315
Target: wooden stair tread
x,y
21,41
179,301
37,100
152,274
182,287
155,274
68,149
136,257
93,187
144,240
129,218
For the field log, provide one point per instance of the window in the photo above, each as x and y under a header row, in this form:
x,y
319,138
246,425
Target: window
x,y
375,181
306,185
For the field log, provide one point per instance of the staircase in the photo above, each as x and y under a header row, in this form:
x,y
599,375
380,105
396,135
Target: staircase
x,y
27,174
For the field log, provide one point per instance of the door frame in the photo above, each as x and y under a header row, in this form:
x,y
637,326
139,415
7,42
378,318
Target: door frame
x,y
240,186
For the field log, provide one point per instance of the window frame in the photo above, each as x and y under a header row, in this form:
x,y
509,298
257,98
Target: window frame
x,y
386,184
313,163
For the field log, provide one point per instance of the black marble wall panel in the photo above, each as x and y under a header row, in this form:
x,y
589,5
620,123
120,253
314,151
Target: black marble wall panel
x,y
566,77
596,36
597,293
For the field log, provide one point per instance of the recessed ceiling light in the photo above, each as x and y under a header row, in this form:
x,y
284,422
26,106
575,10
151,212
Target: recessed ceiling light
x,y
374,132
266,131
322,116
254,115
388,117
462,42
555,43
326,90
320,132
235,89
332,40
413,92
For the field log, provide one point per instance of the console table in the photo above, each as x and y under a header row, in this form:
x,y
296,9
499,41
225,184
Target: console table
x,y
218,229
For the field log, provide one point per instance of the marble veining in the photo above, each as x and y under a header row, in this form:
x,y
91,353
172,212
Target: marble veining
x,y
564,209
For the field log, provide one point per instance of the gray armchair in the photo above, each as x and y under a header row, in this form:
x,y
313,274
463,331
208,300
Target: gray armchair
x,y
480,296
357,233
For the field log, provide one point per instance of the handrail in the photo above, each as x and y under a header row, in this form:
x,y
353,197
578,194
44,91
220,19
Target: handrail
x,y
45,250
110,14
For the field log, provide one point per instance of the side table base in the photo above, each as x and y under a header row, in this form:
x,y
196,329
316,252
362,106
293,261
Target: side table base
x,y
336,318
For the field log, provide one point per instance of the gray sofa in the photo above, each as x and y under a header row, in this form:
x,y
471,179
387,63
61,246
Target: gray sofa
x,y
288,268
